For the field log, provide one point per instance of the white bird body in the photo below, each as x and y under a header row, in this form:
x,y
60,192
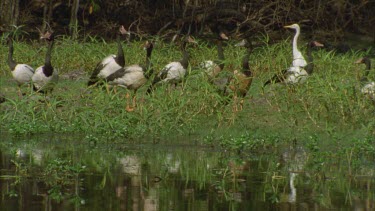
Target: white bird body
x,y
132,79
210,68
43,82
298,60
133,76
369,89
22,73
109,65
296,75
174,71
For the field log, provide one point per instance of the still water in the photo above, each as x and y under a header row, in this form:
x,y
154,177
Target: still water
x,y
64,173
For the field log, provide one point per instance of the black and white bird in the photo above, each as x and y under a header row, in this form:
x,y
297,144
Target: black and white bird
x,y
211,67
109,64
134,76
174,72
21,73
368,87
46,77
294,75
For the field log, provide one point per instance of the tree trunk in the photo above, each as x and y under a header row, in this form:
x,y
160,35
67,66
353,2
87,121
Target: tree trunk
x,y
73,25
9,11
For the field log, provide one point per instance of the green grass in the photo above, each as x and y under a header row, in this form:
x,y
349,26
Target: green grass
x,y
328,104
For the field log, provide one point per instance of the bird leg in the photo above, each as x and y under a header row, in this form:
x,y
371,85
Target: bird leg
x,y
19,92
107,88
235,109
128,108
134,101
241,104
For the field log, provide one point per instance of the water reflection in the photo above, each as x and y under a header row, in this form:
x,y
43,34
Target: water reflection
x,y
49,173
294,158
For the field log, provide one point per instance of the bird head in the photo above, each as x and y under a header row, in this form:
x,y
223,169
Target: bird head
x,y
361,60
49,36
316,44
293,26
245,43
123,31
147,45
190,39
223,36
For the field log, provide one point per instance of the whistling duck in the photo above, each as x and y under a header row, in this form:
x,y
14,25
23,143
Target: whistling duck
x,y
174,72
133,76
241,80
368,87
213,68
22,73
295,75
109,64
46,77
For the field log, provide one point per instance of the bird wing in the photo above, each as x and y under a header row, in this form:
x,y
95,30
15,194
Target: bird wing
x,y
29,68
164,72
133,68
99,67
117,74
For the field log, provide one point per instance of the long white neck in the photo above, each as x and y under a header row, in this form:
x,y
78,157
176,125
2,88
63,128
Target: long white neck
x,y
296,52
298,59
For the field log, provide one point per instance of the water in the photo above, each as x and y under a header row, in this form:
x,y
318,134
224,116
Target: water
x,y
62,173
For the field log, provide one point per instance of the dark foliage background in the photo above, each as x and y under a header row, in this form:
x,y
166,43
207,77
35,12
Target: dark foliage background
x,y
327,18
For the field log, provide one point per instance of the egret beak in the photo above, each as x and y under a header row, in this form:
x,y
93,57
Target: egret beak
x,y
288,27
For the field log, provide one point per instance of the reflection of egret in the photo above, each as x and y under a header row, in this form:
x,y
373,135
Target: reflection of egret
x,y
172,164
35,155
131,165
295,158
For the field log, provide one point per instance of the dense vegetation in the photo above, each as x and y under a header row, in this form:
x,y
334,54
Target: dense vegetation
x,y
329,103
327,117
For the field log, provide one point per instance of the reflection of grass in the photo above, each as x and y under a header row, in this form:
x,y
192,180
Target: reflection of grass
x,y
70,169
328,102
